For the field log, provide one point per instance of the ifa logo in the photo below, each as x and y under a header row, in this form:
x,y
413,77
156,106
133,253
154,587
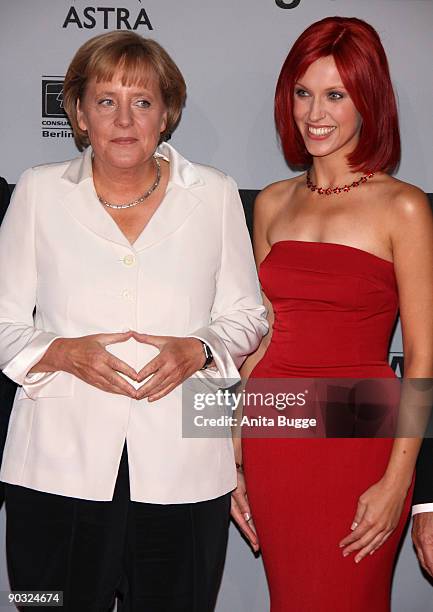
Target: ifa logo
x,y
52,97
107,18
55,123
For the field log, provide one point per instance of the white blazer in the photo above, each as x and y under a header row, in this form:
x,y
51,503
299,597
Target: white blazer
x,y
190,273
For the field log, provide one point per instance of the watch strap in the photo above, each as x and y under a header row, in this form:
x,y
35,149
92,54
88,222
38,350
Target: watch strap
x,y
208,354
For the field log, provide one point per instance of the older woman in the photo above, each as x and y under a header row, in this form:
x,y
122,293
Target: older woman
x,y
140,268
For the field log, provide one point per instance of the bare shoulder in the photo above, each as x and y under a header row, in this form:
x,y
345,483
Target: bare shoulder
x,y
409,215
274,197
407,203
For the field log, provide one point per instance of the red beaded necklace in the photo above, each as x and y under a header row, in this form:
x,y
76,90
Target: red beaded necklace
x,y
330,190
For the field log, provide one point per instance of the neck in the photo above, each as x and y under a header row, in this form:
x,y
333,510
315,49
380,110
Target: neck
x,y
327,172
120,184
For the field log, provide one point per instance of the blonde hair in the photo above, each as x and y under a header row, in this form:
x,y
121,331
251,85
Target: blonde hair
x,y
137,58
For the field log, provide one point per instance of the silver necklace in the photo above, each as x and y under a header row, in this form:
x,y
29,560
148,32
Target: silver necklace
x,y
141,198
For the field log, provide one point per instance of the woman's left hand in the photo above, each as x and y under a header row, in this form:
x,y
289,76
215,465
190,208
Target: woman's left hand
x,y
178,359
241,513
378,513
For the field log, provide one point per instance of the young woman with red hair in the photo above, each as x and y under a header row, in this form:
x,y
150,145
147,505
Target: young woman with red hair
x,y
340,248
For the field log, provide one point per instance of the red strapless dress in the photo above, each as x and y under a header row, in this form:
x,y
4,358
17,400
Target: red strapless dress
x,y
335,307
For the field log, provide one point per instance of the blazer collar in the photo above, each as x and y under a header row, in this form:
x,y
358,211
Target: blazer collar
x,y
178,203
182,172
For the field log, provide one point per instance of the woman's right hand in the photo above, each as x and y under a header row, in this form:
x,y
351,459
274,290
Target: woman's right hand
x,y
241,513
87,358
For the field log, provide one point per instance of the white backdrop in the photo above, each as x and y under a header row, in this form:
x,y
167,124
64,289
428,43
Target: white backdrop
x,y
230,53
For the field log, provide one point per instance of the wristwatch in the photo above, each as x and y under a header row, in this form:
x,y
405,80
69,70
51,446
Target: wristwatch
x,y
208,354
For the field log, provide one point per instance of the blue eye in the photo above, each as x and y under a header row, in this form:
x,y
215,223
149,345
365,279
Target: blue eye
x,y
143,103
335,95
301,93
105,102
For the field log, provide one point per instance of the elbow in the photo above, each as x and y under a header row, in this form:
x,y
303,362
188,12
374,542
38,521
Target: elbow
x,y
418,364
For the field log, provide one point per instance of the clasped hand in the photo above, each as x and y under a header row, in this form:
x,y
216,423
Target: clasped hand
x,y
87,358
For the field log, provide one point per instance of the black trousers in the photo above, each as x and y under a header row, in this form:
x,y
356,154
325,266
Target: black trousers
x,y
155,558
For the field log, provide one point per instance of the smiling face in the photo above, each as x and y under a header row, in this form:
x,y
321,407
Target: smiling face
x,y
324,112
123,122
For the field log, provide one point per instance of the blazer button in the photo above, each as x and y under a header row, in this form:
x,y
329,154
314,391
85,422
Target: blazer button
x,y
129,260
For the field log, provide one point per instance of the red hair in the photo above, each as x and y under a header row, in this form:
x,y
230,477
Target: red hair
x,y
361,61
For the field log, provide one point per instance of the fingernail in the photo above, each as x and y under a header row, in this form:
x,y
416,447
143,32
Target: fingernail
x,y
341,545
372,551
354,526
358,559
247,516
345,553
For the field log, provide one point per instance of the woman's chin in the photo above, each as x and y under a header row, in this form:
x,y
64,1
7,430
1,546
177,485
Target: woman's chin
x,y
125,161
316,151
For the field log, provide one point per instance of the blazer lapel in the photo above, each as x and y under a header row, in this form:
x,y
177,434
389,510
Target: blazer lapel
x,y
178,203
175,208
83,204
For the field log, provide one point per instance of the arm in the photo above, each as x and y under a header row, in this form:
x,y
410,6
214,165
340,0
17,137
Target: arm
x,y
412,242
238,317
422,529
423,491
240,509
261,249
380,507
422,511
21,344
